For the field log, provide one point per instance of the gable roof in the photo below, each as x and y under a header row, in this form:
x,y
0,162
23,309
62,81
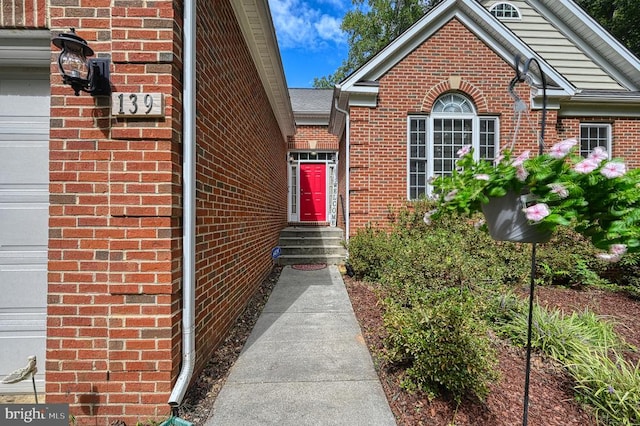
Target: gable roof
x,y
614,68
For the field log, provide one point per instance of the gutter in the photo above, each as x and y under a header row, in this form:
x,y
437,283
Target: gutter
x,y
188,209
347,164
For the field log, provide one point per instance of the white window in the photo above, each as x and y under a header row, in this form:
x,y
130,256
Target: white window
x,y
593,135
505,10
434,141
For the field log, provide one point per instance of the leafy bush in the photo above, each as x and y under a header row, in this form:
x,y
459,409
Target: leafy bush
x,y
442,343
369,250
569,259
626,273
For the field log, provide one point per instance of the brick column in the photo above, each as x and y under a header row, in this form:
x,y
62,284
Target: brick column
x,y
113,339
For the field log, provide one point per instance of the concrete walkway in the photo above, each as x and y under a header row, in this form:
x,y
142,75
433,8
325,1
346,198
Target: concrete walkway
x,y
305,362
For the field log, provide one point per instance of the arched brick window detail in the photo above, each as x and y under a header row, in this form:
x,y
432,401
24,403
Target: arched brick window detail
x,y
435,140
462,86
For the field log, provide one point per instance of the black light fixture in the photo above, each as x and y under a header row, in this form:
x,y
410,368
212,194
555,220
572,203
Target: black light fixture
x,y
82,74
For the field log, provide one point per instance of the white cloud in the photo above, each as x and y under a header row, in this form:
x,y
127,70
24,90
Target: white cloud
x,y
299,24
328,28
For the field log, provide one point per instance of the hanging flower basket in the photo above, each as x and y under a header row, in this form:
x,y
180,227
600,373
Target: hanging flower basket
x,y
507,222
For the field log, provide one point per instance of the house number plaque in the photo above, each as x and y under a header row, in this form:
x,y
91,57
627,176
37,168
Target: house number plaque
x,y
137,104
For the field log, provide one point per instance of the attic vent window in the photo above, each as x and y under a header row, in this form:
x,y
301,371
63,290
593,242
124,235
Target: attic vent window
x,y
505,10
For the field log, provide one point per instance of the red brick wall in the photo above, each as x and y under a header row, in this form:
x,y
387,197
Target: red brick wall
x,y
324,140
241,174
452,59
24,14
625,132
115,254
114,227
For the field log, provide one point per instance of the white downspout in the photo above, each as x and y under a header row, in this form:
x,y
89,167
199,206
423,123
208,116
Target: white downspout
x,y
347,166
188,208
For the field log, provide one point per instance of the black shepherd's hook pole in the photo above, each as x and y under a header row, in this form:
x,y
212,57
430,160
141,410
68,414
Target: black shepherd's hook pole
x,y
520,77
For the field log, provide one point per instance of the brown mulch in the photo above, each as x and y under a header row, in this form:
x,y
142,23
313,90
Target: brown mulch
x,y
551,397
551,400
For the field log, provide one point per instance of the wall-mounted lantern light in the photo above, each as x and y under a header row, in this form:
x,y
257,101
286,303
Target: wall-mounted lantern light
x,y
82,74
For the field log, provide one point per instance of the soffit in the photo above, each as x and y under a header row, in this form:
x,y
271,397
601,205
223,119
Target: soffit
x,y
254,18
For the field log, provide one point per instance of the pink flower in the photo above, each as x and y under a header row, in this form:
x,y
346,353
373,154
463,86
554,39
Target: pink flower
x,y
521,173
585,166
598,154
427,216
520,159
613,169
561,149
609,257
482,176
615,253
451,195
537,212
498,159
618,249
464,150
559,190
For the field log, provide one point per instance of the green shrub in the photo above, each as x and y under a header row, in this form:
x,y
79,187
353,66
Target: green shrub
x,y
369,250
569,259
442,343
626,273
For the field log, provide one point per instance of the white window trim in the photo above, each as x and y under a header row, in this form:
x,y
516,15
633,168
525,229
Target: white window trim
x,y
506,18
475,141
609,128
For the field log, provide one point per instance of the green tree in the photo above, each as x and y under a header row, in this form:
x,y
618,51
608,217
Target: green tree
x,y
370,26
619,17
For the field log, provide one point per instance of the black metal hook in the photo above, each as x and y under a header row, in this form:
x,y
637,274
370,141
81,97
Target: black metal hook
x,y
520,78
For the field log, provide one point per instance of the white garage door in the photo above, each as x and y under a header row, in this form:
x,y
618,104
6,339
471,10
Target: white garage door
x,y
24,181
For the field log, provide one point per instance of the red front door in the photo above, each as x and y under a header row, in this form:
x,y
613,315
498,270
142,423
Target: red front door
x,y
313,192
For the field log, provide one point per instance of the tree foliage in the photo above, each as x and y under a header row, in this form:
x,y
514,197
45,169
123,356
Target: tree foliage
x,y
619,17
373,24
370,26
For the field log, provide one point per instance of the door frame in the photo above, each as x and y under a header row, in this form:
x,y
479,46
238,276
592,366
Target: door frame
x,y
295,159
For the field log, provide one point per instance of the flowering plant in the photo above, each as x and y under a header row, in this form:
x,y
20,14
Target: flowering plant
x,y
596,196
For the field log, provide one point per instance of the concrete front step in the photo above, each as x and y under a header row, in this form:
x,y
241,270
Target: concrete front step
x,y
311,231
311,244
310,259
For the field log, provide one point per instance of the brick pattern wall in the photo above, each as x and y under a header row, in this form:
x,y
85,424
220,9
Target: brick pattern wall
x,y
241,175
115,254
452,59
114,227
23,14
324,140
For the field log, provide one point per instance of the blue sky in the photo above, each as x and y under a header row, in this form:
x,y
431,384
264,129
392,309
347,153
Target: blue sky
x,y
311,42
